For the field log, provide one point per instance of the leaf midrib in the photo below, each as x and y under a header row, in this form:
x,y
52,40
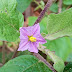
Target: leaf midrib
x,y
31,66
58,30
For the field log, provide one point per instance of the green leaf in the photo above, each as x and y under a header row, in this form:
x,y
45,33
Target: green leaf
x,y
59,25
61,46
24,53
1,43
43,24
68,67
58,62
54,7
67,2
25,63
23,4
10,20
69,59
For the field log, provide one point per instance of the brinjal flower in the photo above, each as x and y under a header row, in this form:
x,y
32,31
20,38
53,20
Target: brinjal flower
x,y
30,38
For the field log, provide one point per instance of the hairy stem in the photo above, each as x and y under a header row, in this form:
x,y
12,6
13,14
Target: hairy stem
x,y
37,55
3,53
43,11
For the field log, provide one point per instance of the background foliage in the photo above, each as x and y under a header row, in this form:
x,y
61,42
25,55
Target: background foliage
x,y
53,26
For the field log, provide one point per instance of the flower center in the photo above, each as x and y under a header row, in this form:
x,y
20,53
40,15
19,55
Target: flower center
x,y
32,39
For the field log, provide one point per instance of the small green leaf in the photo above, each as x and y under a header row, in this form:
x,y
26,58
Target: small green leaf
x,y
25,63
23,4
67,2
69,59
68,67
43,24
58,62
54,7
10,20
59,25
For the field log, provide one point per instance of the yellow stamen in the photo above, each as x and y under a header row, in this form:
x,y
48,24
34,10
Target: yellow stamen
x,y
32,39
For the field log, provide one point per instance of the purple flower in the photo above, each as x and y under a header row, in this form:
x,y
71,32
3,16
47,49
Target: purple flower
x,y
30,38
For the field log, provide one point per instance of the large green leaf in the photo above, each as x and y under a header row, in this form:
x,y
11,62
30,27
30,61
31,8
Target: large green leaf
x,y
59,25
61,46
68,67
10,20
23,4
67,2
26,63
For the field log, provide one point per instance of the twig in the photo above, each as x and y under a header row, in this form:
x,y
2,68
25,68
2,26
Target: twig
x,y
60,6
15,53
9,48
3,53
43,11
37,55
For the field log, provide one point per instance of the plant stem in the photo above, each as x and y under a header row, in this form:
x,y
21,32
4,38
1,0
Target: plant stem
x,y
49,3
3,53
60,6
37,55
15,53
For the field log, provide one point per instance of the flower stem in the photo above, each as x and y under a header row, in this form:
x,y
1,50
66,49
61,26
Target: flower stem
x,y
37,55
49,3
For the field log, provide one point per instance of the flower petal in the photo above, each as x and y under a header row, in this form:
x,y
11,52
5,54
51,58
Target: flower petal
x,y
23,33
40,39
24,45
33,47
36,30
29,31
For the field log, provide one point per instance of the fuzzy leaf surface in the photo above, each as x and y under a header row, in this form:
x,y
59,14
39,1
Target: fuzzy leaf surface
x,y
25,63
59,25
10,20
